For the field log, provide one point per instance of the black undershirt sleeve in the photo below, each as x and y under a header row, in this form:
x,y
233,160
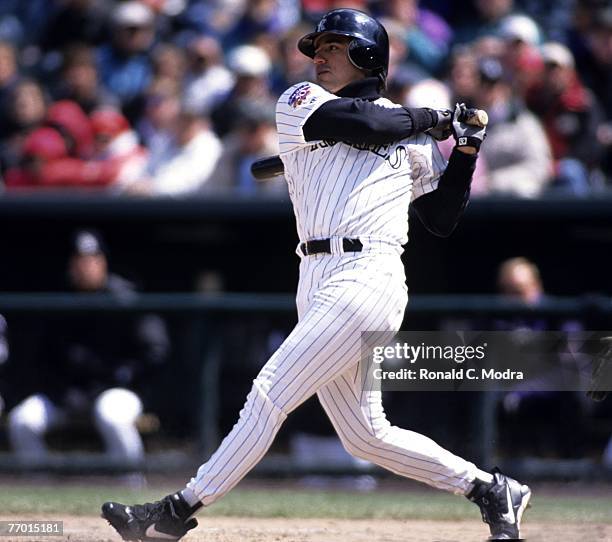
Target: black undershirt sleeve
x,y
356,120
441,209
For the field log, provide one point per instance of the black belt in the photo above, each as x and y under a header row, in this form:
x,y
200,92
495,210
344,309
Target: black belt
x,y
318,246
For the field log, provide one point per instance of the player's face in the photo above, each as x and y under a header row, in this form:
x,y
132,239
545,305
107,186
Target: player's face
x,y
333,67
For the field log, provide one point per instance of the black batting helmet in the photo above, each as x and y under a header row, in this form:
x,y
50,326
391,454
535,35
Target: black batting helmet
x,y
369,48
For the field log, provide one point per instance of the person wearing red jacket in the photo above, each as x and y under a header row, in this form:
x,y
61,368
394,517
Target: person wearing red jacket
x,y
69,119
116,142
46,163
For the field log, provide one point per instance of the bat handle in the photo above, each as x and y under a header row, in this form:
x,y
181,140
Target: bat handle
x,y
475,117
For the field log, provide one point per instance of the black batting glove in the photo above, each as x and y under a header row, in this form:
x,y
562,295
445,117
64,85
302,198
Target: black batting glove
x,y
442,129
466,135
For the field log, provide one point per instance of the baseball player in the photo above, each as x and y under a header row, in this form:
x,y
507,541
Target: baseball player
x,y
354,162
90,366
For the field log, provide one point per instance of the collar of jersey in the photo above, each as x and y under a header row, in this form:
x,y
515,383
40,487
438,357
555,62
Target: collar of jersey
x,y
363,88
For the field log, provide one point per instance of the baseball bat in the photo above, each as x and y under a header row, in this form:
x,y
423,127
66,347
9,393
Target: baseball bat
x,y
265,168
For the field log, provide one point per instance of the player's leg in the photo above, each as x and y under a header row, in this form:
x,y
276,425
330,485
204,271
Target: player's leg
x,y
325,342
358,416
28,422
359,419
115,413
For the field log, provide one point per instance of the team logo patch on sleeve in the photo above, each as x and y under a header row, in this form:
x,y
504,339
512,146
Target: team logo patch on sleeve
x,y
299,95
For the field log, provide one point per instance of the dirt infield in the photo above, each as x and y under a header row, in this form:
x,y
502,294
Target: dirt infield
x,y
227,529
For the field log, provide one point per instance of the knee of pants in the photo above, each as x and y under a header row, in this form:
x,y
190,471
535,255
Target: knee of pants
x,y
32,414
358,449
262,409
117,406
362,445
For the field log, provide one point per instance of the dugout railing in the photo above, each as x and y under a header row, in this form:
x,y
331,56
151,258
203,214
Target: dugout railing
x,y
203,314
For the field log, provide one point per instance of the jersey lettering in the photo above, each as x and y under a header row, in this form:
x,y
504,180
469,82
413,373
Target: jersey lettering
x,y
351,190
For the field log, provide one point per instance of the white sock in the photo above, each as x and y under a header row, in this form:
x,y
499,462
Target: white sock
x,y
190,497
483,476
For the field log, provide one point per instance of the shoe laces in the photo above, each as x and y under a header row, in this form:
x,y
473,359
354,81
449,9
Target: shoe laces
x,y
493,504
154,511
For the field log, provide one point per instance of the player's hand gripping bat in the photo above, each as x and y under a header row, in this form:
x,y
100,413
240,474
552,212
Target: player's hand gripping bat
x,y
272,166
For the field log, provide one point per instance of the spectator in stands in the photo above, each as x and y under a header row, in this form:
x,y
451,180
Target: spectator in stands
x,y
74,22
595,55
520,54
22,22
91,366
400,64
101,55
79,81
553,15
570,115
254,137
27,106
537,399
186,165
519,32
168,62
426,34
26,112
517,153
162,106
45,163
293,66
489,14
117,143
519,278
124,64
58,154
463,78
487,22
489,46
72,123
596,65
251,66
9,76
259,17
215,17
168,27
208,81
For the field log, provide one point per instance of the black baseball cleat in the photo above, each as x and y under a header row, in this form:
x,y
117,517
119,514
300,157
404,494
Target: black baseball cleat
x,y
501,504
168,519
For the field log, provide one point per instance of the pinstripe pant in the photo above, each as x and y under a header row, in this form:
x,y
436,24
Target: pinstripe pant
x,y
338,298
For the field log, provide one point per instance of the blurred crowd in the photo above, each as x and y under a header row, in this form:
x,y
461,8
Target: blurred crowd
x,y
177,97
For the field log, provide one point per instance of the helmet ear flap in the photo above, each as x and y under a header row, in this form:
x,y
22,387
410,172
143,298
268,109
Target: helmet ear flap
x,y
361,54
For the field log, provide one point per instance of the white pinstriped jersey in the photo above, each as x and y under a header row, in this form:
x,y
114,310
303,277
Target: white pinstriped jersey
x,y
348,190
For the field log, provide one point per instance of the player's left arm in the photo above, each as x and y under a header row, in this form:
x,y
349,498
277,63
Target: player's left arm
x,y
440,209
